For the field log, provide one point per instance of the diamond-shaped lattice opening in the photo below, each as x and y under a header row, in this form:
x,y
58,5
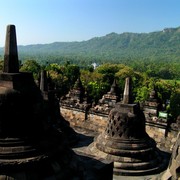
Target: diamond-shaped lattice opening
x,y
114,122
120,134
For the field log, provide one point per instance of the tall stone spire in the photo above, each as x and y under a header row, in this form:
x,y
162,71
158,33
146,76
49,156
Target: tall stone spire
x,y
114,87
78,90
11,64
127,97
43,81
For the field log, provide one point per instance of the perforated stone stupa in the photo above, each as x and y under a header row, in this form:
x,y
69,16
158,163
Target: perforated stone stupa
x,y
126,142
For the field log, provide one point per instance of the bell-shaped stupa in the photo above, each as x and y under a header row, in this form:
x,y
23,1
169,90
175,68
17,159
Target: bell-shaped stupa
x,y
125,141
30,147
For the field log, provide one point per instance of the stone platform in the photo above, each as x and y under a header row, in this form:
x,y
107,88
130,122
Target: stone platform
x,y
86,138
94,167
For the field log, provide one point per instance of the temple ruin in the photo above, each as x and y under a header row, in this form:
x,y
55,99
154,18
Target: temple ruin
x,y
34,139
125,136
39,137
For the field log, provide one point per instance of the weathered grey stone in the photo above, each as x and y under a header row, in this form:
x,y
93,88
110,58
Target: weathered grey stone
x,y
152,107
43,81
30,146
108,101
126,142
173,170
11,64
127,96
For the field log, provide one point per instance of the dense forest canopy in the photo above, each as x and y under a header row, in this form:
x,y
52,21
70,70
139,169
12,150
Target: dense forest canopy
x,y
98,81
157,53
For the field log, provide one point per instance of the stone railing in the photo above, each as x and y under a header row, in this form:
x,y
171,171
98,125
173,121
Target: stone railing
x,y
161,132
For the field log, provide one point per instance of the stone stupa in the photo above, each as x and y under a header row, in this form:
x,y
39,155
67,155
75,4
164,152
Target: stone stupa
x,y
51,99
152,106
30,147
125,141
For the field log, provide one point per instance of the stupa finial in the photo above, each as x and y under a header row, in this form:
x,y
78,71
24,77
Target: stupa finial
x,y
43,81
11,63
127,96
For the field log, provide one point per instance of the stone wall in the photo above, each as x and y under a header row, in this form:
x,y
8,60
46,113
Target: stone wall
x,y
80,118
164,136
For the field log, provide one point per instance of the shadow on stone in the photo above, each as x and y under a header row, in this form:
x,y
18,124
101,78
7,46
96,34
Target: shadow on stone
x,y
84,140
95,169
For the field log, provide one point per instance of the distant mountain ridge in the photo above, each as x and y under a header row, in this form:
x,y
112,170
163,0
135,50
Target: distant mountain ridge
x,y
164,45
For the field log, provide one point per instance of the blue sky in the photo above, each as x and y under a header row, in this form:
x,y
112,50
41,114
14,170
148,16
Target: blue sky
x,y
47,21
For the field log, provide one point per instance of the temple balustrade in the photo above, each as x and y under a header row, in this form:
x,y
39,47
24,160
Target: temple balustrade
x,y
95,120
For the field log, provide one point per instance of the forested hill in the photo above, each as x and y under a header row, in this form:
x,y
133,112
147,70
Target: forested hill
x,y
161,45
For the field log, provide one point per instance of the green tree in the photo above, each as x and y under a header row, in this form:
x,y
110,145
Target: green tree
x,y
93,84
108,71
72,72
95,90
31,66
57,75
